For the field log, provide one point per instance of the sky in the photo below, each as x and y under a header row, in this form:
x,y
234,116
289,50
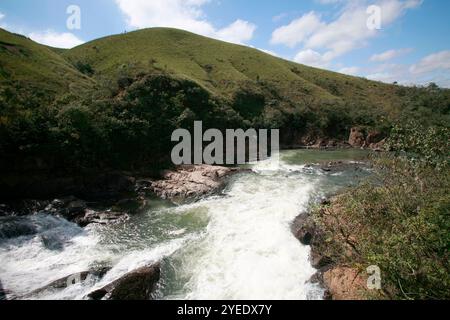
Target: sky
x,y
404,41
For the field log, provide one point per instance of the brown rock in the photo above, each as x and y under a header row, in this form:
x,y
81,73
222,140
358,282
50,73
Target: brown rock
x,y
380,146
374,137
357,138
191,182
345,283
304,229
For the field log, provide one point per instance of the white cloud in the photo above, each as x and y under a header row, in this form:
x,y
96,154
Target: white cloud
x,y
1,16
238,32
350,70
347,32
439,61
432,68
297,31
313,58
182,14
389,55
54,39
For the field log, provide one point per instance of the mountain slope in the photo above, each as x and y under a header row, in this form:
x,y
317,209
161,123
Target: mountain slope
x,y
225,68
32,66
114,102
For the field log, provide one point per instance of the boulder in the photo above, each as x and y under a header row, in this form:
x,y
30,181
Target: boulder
x,y
357,138
135,285
345,283
71,280
304,229
14,227
191,182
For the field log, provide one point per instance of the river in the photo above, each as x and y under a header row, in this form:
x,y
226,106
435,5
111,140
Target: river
x,y
236,245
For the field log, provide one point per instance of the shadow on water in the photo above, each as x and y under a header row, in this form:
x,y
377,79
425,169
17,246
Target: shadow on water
x,y
2,292
53,232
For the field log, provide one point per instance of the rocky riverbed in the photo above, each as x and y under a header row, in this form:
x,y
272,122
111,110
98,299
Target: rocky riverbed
x,y
121,241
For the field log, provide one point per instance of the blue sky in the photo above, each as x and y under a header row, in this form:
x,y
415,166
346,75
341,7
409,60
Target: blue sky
x,y
411,46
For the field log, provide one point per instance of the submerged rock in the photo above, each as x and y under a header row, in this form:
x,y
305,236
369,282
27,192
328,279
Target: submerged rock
x,y
77,211
14,227
191,182
70,280
135,285
106,217
2,292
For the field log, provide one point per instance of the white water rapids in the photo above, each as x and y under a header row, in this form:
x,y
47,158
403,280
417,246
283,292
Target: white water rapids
x,y
237,245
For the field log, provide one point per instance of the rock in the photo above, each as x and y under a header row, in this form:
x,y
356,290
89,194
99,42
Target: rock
x,y
345,283
14,227
135,285
191,182
378,147
374,137
319,261
69,280
132,206
357,138
106,217
2,292
75,208
304,229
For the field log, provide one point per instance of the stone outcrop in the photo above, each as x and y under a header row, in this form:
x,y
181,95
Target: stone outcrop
x,y
375,140
135,285
345,283
341,282
357,138
190,182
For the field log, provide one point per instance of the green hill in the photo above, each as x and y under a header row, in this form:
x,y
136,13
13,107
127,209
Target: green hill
x,y
114,102
223,68
33,66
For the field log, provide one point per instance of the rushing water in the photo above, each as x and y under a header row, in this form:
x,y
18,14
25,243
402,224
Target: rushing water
x,y
236,245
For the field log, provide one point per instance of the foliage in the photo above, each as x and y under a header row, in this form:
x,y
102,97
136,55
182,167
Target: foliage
x,y
398,220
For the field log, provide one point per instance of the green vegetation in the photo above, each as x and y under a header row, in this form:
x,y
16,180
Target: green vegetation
x,y
400,219
112,102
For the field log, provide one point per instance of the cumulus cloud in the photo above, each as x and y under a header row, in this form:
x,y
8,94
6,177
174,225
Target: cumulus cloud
x,y
432,68
182,14
439,61
297,31
1,16
350,70
389,55
51,38
347,32
313,58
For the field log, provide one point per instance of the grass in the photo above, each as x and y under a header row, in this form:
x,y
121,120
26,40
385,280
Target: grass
x,y
224,68
36,67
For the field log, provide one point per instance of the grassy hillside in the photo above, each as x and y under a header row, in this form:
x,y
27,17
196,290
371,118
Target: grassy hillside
x,y
28,65
114,102
224,68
